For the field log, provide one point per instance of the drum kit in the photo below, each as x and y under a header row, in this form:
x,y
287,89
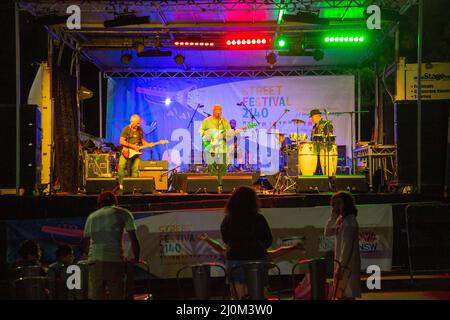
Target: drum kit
x,y
321,148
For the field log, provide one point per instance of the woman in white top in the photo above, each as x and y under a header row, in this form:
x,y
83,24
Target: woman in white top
x,y
347,266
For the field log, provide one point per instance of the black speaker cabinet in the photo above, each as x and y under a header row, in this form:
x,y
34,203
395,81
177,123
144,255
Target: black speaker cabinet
x,y
313,184
156,170
138,185
201,184
30,146
98,185
230,183
351,183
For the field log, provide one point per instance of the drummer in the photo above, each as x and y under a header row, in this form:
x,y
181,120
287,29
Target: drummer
x,y
322,128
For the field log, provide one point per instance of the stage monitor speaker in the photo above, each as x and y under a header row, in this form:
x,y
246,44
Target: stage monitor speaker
x,y
351,183
230,183
138,185
292,164
202,184
98,185
313,184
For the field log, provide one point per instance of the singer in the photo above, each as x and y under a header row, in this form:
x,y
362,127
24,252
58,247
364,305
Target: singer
x,y
213,131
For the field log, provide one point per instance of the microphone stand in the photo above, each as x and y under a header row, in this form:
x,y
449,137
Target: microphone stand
x,y
351,113
191,126
257,133
274,125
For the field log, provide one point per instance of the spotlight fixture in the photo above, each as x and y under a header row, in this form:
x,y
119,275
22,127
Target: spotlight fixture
x,y
271,58
179,59
51,19
126,58
154,53
126,20
247,42
139,47
196,43
84,93
318,55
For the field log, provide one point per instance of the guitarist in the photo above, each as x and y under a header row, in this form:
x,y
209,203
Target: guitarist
x,y
215,157
132,137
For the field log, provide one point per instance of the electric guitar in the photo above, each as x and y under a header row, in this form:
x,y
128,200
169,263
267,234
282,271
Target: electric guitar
x,y
129,153
216,137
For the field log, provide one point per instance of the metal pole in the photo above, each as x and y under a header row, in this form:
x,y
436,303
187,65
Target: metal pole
x,y
419,98
359,106
18,95
100,103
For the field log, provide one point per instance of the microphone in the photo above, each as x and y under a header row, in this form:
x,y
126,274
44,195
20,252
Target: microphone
x,y
200,106
286,110
209,114
240,104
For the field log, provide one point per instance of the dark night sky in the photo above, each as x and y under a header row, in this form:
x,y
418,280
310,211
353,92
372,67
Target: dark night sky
x,y
34,49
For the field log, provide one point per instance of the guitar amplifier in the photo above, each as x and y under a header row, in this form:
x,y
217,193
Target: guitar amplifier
x,y
156,170
98,165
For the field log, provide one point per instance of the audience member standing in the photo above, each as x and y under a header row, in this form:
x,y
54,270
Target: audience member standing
x,y
103,237
343,224
247,235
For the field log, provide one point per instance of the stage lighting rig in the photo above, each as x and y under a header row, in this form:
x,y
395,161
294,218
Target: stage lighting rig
x,y
126,20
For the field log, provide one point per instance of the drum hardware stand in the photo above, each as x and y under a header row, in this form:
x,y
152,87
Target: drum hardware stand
x,y
191,127
284,183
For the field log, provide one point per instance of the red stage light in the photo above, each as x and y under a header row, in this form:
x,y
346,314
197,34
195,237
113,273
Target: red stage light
x,y
263,41
191,43
228,42
238,42
212,44
233,42
206,44
202,44
253,41
196,44
258,41
176,43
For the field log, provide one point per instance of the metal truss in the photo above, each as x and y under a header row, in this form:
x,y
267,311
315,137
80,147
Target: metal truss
x,y
324,71
41,7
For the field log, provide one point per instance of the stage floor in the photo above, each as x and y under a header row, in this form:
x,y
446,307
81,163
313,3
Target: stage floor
x,y
79,205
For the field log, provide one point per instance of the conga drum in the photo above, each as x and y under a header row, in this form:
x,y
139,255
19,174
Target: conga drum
x,y
307,158
328,160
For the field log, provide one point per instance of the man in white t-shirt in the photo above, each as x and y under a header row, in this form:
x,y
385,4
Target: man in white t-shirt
x,y
103,238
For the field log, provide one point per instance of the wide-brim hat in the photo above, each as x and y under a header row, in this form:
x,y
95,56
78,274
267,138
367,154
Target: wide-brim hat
x,y
314,112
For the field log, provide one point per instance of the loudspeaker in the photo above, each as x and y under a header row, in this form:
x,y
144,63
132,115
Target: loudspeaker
x,y
350,183
156,170
230,183
138,185
30,146
98,185
204,183
313,184
292,164
342,156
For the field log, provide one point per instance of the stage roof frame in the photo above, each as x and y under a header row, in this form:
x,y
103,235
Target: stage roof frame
x,y
208,19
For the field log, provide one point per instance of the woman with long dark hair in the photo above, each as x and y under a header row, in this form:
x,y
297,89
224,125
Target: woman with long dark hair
x,y
247,235
347,267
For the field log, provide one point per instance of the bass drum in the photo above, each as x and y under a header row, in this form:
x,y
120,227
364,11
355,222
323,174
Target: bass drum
x,y
328,161
307,158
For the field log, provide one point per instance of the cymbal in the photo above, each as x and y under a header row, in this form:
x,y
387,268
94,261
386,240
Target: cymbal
x,y
297,121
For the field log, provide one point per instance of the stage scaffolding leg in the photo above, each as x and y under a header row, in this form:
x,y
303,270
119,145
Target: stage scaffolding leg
x,y
18,95
419,98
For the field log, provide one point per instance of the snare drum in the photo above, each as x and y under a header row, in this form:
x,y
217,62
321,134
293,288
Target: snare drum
x,y
307,158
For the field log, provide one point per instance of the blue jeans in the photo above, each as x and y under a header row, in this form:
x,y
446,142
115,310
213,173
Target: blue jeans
x,y
123,165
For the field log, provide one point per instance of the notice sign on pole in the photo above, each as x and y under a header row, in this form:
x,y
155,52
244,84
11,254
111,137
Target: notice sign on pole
x,y
435,81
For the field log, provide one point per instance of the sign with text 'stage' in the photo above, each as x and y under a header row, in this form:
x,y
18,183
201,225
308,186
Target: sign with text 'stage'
x,y
435,81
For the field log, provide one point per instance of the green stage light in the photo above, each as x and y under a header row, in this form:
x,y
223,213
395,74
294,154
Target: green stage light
x,y
327,39
281,43
345,39
341,39
361,39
